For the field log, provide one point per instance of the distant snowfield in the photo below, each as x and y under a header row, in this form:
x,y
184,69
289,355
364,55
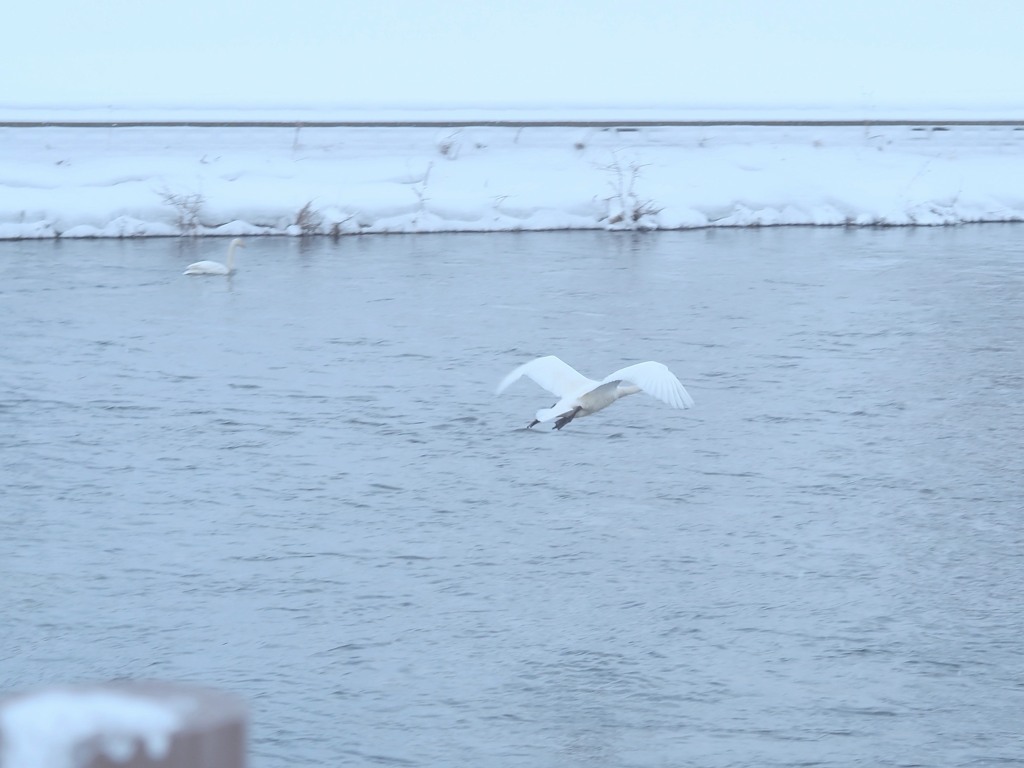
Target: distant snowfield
x,y
297,180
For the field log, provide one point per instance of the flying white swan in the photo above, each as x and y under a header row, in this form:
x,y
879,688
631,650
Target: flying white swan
x,y
581,396
215,267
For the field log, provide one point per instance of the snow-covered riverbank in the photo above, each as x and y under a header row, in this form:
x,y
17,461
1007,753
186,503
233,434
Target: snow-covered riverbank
x,y
289,179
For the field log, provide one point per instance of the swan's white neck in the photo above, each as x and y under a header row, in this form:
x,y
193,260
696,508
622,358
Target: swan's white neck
x,y
231,255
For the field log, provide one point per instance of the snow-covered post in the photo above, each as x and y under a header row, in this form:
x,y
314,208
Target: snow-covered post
x,y
123,724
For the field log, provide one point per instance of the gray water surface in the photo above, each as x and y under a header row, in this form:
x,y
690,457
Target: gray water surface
x,y
298,485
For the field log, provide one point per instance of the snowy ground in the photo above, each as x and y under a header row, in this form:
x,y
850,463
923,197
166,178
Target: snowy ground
x,y
283,179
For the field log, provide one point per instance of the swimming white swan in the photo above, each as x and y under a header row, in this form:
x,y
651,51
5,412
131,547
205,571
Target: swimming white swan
x,y
215,267
581,396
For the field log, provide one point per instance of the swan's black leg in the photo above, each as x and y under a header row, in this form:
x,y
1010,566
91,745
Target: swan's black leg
x,y
565,418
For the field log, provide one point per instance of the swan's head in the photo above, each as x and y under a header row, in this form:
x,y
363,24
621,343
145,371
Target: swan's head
x,y
238,243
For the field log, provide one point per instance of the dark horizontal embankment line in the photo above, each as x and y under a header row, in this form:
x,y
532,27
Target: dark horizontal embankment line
x,y
620,124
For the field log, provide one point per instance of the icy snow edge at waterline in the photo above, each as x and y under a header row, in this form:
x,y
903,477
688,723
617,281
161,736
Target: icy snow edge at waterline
x,y
336,180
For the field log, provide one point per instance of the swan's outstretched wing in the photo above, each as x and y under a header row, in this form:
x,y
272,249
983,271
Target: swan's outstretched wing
x,y
556,377
657,381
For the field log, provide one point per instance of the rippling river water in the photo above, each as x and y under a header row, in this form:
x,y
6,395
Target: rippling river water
x,y
298,485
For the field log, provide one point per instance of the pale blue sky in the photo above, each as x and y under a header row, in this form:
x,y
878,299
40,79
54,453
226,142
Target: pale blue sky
x,y
521,52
